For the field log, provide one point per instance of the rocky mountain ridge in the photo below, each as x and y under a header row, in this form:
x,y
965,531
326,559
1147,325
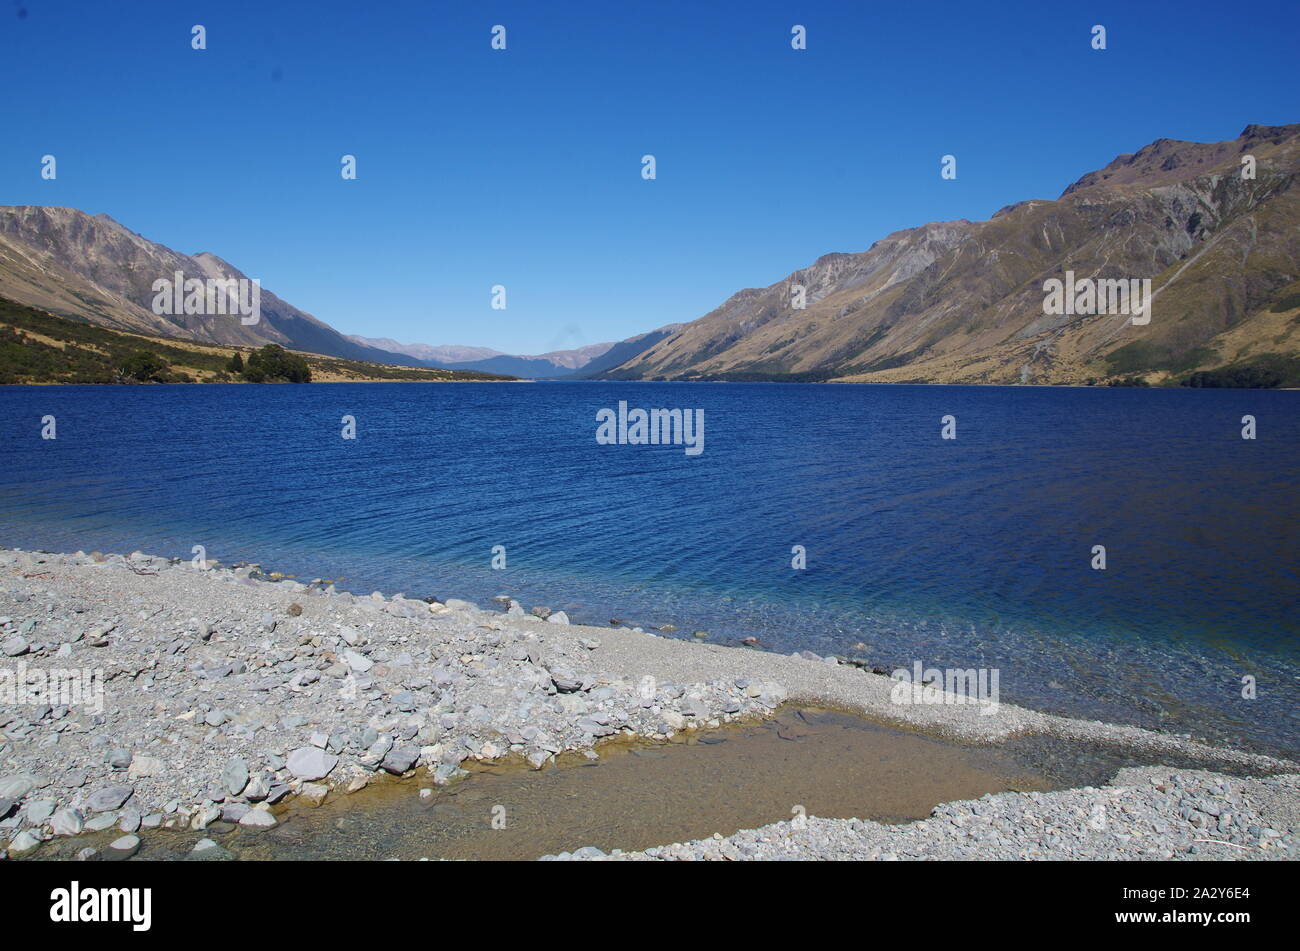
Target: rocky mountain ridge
x,y
92,268
963,301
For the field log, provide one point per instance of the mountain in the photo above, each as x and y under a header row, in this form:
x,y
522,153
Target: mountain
x,y
534,368
93,269
956,301
963,301
624,351
553,365
424,352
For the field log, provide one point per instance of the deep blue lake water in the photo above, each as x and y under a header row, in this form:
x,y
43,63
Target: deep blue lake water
x,y
974,552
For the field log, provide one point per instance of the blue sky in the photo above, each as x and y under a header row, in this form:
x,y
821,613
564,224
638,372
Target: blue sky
x,y
522,168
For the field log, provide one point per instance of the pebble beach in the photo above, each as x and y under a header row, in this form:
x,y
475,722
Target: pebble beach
x,y
218,695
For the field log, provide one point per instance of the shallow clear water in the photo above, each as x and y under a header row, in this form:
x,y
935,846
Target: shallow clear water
x,y
967,553
635,795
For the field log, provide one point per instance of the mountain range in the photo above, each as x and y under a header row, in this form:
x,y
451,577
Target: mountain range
x,y
553,365
91,268
963,301
1214,227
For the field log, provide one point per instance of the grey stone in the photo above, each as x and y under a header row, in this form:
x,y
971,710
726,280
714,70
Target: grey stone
x,y
537,758
125,847
379,748
565,680
234,811
66,823
39,810
17,786
257,789
358,662
310,763
695,707
258,818
130,845
23,843
313,794
205,816
14,646
145,766
235,776
446,772
108,798
401,759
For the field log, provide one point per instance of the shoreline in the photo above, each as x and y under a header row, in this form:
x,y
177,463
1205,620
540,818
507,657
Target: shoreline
x,y
225,694
831,382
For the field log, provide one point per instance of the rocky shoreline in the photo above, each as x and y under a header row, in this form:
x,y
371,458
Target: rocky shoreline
x,y
178,698
1148,813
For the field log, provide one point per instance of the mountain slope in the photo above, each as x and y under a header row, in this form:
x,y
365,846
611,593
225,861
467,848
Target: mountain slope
x,y
40,347
963,301
624,351
93,269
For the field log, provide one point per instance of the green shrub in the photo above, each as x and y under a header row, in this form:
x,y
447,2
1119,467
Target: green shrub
x,y
145,367
272,363
1266,371
1239,377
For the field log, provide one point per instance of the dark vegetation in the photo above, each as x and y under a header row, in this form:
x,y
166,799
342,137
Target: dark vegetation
x,y
273,364
73,352
40,347
1290,302
1260,373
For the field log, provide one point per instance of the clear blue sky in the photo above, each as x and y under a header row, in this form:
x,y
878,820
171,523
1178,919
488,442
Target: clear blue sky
x,y
522,167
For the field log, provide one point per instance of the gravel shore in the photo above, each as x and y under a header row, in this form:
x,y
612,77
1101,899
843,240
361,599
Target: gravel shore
x,y
1149,813
226,690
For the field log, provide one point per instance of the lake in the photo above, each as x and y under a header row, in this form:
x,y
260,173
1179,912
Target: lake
x,y
968,552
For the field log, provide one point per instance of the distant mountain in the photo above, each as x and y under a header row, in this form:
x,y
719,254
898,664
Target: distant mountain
x,y
422,351
553,365
93,269
624,351
963,301
533,368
